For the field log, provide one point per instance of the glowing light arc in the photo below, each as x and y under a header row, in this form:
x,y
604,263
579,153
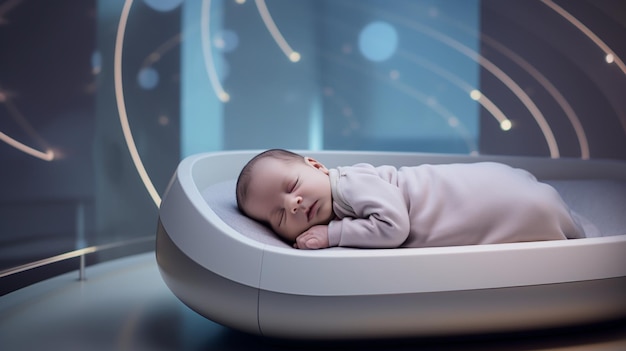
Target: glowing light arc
x,y
433,105
609,54
157,54
121,105
550,88
292,55
46,156
539,77
207,52
473,93
498,73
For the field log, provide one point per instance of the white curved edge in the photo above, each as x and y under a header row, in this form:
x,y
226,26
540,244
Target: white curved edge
x,y
206,239
337,272
195,228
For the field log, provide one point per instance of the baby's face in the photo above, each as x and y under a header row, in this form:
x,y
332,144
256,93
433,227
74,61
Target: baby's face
x,y
290,196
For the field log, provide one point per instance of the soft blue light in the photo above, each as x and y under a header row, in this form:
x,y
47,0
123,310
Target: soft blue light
x,y
316,126
226,40
96,61
378,41
163,5
201,112
148,78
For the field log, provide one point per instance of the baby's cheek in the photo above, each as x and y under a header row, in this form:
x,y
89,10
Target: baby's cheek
x,y
291,235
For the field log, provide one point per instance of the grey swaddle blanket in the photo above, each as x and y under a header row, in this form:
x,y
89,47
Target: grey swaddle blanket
x,y
445,205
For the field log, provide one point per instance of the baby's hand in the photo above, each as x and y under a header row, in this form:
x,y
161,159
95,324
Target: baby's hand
x,y
315,237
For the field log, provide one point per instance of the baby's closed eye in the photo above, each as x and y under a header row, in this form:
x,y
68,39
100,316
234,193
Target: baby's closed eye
x,y
293,185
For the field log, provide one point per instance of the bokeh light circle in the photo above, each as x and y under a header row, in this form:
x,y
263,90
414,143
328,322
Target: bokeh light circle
x,y
163,5
378,41
226,40
96,62
148,78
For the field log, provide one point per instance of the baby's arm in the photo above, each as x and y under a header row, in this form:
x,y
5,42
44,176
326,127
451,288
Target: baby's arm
x,y
375,215
315,237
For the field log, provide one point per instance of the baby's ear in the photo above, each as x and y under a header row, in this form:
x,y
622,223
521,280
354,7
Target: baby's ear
x,y
315,164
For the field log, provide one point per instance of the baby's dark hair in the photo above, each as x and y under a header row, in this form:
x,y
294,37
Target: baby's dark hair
x,y
243,181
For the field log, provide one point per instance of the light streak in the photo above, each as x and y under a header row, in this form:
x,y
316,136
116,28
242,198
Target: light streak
x,y
609,54
121,105
207,52
432,104
46,156
551,89
162,49
473,93
449,117
495,71
443,112
539,77
293,56
528,103
487,104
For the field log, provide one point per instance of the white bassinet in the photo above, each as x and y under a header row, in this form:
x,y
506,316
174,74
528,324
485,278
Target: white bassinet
x,y
234,271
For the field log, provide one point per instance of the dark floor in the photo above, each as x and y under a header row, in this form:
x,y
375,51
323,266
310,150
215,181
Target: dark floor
x,y
124,305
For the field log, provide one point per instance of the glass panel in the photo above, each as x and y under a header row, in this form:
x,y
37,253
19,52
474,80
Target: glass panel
x,y
331,74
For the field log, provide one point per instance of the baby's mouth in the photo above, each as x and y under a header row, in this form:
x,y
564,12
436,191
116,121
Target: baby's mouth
x,y
311,212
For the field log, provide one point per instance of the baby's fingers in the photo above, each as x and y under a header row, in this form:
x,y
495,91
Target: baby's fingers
x,y
307,241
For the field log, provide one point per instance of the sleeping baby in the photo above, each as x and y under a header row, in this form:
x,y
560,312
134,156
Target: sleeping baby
x,y
364,206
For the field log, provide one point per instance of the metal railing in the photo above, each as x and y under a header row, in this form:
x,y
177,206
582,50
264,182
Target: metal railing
x,y
73,254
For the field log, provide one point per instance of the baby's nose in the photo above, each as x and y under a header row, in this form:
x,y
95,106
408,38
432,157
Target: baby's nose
x,y
295,204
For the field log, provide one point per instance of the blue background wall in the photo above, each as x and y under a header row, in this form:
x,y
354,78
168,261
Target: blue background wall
x,y
373,75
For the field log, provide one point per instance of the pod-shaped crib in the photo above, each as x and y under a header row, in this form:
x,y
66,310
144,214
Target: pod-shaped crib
x,y
234,271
